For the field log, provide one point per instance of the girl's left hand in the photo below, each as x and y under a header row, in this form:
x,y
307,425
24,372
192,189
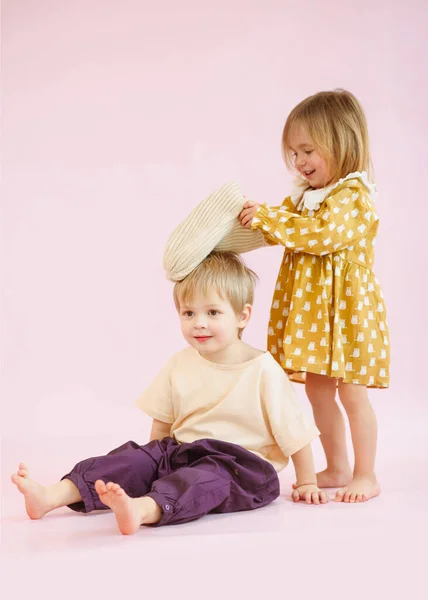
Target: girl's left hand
x,y
310,493
247,213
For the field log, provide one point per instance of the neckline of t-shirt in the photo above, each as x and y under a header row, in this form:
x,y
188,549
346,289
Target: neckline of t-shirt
x,y
221,367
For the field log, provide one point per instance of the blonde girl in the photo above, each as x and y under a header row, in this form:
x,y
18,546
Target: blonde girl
x,y
328,323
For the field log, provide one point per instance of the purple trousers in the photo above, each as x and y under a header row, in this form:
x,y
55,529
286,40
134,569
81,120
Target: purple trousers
x,y
187,481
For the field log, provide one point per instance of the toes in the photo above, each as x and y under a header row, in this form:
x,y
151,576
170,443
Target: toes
x,y
340,495
295,496
347,497
352,497
100,487
323,498
359,498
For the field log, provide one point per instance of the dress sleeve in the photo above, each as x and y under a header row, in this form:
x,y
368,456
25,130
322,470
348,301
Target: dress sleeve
x,y
291,427
344,218
156,400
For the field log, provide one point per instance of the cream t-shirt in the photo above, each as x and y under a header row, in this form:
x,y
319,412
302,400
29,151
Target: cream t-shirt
x,y
251,404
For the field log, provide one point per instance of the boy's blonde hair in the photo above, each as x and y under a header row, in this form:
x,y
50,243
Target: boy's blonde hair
x,y
224,273
338,127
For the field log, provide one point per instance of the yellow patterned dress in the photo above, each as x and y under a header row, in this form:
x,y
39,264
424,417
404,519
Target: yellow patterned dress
x,y
328,315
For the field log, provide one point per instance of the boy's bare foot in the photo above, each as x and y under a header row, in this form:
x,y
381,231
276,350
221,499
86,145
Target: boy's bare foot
x,y
360,489
130,513
36,496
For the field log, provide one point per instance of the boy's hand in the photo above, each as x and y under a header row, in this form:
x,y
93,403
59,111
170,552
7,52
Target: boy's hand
x,y
310,493
247,213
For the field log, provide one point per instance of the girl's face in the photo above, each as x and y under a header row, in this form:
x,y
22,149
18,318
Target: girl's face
x,y
307,160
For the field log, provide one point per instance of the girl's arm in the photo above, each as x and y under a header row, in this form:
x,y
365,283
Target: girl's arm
x,y
160,430
343,220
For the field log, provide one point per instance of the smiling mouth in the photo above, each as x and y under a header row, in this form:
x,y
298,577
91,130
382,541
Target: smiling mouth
x,y
203,338
309,173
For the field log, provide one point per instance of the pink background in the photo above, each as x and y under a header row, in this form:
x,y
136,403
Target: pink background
x,y
118,117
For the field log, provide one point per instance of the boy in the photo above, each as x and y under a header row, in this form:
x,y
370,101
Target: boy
x,y
225,421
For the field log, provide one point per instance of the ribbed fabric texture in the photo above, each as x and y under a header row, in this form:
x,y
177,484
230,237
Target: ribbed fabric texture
x,y
212,225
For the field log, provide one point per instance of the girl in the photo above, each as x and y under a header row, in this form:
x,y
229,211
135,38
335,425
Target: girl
x,y
328,325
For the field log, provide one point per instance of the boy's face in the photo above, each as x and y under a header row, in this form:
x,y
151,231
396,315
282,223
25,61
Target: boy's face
x,y
210,325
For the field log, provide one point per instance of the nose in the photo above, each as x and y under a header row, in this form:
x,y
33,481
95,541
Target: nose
x,y
300,161
200,322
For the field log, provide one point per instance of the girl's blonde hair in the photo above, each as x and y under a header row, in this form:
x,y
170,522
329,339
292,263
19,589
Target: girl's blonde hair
x,y
224,273
338,127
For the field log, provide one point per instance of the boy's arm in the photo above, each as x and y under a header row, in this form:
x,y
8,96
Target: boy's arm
x,y
306,487
292,429
160,430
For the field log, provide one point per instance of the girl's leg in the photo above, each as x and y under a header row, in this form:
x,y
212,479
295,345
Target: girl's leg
x,y
362,421
40,499
321,391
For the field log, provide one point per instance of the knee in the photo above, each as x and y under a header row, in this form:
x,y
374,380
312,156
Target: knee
x,y
320,388
352,396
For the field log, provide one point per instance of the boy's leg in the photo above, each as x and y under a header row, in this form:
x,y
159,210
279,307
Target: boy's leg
x,y
131,466
213,476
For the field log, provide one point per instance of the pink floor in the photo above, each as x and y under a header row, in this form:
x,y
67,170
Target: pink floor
x,y
374,550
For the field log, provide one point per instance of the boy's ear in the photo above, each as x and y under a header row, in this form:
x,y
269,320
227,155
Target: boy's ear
x,y
245,316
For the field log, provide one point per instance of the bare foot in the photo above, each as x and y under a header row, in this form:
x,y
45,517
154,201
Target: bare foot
x,y
360,489
36,496
333,479
130,513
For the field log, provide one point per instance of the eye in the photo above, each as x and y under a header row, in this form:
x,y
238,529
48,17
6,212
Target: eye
x,y
213,313
308,151
188,313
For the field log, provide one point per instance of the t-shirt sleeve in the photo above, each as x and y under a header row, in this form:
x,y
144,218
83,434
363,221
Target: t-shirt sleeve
x,y
156,401
291,426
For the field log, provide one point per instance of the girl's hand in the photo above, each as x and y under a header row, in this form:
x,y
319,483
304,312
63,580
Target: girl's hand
x,y
310,493
247,213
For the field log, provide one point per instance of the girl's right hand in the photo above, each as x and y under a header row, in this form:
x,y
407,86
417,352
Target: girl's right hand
x,y
247,213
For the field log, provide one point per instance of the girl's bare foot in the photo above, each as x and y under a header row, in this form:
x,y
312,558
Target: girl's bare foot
x,y
360,489
37,502
130,513
333,479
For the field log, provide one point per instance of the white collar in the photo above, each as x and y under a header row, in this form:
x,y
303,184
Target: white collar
x,y
312,199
